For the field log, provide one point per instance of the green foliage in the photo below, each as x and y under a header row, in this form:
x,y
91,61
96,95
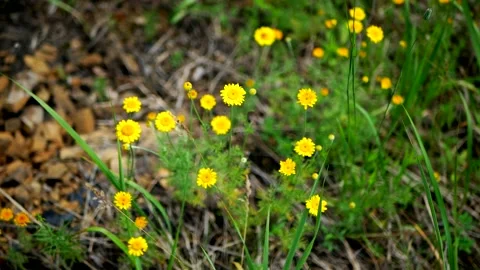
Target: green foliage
x,y
60,243
16,259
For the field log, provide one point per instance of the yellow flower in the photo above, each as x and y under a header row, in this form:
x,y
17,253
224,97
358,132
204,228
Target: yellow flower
x,y
122,200
305,147
365,79
233,94
287,167
165,122
137,246
128,131
206,177
306,97
141,222
398,2
278,34
357,13
436,175
249,83
375,33
132,104
362,54
264,36
331,137
330,23
151,116
315,176
403,44
192,94
187,86
352,205
208,102
181,118
385,83
21,220
318,52
318,148
221,124
397,99
364,44
6,214
324,92
313,203
444,1
343,52
355,26
252,91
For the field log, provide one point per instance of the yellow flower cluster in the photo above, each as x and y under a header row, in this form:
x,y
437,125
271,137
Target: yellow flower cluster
x,y
20,219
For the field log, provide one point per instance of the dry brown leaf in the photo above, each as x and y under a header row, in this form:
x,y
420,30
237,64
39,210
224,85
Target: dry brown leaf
x,y
36,64
84,121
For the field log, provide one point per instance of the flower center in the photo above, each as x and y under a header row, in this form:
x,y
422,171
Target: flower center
x,y
127,130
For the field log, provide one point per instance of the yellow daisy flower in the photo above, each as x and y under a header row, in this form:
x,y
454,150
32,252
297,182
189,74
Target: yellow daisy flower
x,y
165,122
181,118
206,177
363,44
306,97
265,36
330,23
187,86
122,200
343,52
208,102
141,222
398,2
221,124
6,214
437,176
315,176
357,13
444,1
252,91
385,83
331,137
132,104
397,99
313,203
137,246
233,94
151,116
128,131
362,53
365,79
318,148
355,26
375,33
192,94
21,220
403,44
287,167
305,147
318,52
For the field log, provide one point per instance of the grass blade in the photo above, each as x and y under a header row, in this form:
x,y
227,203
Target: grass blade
x,y
472,29
469,145
266,241
438,196
208,258
101,165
